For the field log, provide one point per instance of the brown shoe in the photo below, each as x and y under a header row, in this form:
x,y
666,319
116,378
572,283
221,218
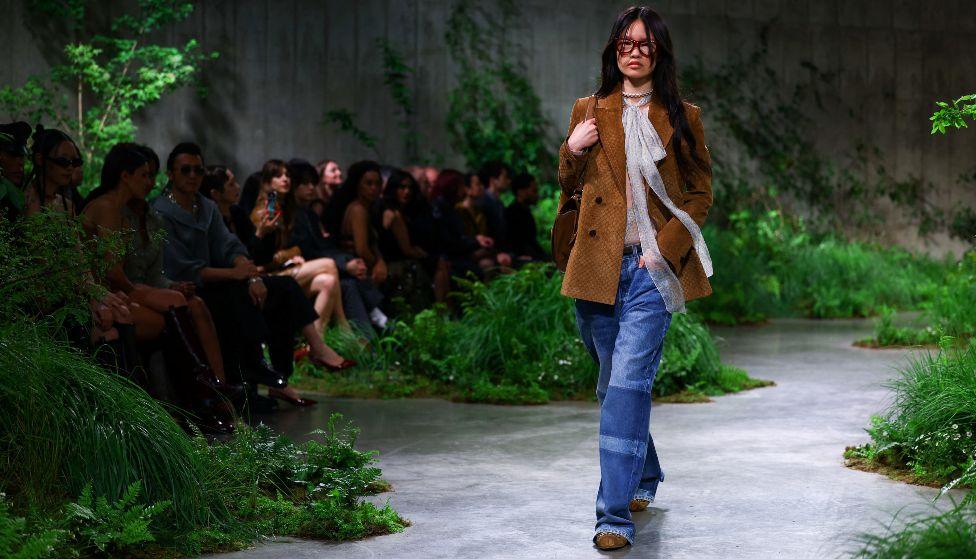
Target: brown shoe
x,y
637,505
608,540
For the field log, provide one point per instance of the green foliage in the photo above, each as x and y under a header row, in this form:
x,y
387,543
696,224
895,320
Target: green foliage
x,y
112,527
345,121
954,115
17,541
946,535
396,74
494,112
105,79
516,341
946,310
929,429
71,429
312,489
37,251
770,160
768,265
68,424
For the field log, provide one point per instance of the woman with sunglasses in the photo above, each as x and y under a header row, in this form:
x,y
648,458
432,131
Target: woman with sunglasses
x,y
56,159
639,255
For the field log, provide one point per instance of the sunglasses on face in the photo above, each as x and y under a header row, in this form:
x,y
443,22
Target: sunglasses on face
x,y
66,162
187,170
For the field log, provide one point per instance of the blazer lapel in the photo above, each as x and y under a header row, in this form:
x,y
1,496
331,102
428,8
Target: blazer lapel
x,y
658,114
608,113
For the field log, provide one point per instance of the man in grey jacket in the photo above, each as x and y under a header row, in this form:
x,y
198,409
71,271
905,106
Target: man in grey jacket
x,y
248,309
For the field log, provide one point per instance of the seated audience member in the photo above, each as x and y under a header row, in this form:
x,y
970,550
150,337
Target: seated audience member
x,y
476,224
54,158
419,174
330,179
459,248
220,185
496,178
13,150
351,215
411,266
249,193
318,276
249,308
161,309
522,240
359,295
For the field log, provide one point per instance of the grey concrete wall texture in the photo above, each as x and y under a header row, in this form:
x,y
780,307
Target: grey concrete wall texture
x,y
284,63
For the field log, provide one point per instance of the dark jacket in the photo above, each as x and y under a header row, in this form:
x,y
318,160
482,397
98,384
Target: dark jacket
x,y
307,236
195,242
522,239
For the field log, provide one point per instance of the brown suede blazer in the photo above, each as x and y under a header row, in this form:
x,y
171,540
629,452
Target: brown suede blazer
x,y
593,270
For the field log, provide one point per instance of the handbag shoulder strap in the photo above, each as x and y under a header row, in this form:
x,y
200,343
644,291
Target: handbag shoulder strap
x,y
578,193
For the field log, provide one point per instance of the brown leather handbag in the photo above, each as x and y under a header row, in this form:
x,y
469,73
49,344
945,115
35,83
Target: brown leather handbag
x,y
567,219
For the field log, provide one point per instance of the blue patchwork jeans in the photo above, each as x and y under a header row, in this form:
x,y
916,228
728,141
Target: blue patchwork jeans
x,y
626,340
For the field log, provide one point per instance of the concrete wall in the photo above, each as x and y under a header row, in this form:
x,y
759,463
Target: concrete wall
x,y
284,63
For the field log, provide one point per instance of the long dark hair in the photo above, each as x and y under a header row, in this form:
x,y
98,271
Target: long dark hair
x,y
664,77
300,171
45,141
347,193
123,157
390,200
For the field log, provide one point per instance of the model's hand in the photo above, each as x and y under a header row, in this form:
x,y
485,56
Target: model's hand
x,y
584,135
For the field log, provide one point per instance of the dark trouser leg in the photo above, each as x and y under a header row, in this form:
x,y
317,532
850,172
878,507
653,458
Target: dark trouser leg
x,y
240,325
287,310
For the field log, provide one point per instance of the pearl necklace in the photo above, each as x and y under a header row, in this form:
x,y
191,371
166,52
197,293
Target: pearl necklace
x,y
637,95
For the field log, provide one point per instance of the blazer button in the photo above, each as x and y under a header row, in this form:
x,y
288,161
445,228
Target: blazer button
x,y
593,232
598,200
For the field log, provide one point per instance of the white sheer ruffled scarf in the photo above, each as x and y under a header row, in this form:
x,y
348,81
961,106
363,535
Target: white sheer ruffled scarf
x,y
644,148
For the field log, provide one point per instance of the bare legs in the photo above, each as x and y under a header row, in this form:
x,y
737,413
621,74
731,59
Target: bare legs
x,y
147,311
319,279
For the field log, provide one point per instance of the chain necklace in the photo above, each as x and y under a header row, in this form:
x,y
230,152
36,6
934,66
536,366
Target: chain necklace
x,y
193,210
637,95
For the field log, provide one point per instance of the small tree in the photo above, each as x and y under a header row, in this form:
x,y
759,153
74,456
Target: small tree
x,y
104,80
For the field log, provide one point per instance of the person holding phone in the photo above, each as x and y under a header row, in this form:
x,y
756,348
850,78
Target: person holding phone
x,y
275,221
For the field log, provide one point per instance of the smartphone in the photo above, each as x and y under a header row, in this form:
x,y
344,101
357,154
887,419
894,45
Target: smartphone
x,y
272,206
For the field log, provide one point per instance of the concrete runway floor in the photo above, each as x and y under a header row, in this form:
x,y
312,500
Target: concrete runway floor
x,y
758,474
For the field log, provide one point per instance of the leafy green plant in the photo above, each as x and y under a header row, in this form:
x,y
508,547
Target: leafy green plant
x,y
929,429
105,79
950,534
113,527
37,251
345,121
516,341
19,542
768,265
68,424
953,115
770,161
946,311
494,112
396,76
